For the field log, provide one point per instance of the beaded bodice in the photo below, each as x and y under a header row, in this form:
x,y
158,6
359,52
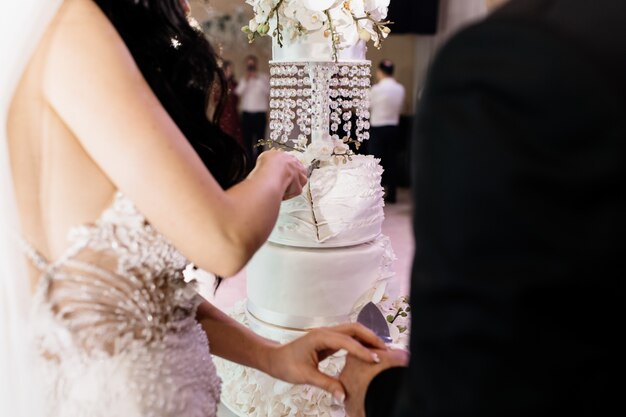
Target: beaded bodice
x,y
115,316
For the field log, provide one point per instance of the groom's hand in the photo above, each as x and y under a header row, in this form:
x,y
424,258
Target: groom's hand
x,y
357,375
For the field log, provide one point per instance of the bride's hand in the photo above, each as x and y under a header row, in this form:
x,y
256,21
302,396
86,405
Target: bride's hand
x,y
298,362
282,165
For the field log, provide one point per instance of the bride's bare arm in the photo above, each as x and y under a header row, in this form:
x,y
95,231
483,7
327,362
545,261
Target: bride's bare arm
x,y
95,86
296,362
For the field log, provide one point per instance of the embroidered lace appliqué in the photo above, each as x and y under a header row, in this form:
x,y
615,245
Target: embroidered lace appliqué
x,y
115,324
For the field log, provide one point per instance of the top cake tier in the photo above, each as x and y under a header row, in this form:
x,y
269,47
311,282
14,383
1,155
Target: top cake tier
x,y
316,48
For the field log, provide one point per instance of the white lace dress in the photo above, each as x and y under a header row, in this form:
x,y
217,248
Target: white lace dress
x,y
116,328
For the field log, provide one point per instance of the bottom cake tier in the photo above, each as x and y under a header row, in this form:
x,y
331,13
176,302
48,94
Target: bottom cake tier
x,y
251,393
304,288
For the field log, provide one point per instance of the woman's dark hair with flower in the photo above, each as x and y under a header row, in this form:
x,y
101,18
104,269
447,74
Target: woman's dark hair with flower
x,y
182,68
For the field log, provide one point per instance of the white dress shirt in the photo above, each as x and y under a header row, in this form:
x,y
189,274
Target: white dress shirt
x,y
386,102
254,93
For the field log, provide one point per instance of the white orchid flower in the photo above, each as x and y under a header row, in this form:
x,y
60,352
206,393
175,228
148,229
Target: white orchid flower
x,y
311,19
320,5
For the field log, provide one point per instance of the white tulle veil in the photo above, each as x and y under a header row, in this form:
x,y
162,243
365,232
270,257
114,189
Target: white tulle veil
x,y
22,22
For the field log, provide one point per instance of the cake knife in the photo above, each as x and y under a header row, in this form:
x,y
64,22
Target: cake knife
x,y
314,165
371,317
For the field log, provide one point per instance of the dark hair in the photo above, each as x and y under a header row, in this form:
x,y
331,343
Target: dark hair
x,y
182,69
253,58
387,67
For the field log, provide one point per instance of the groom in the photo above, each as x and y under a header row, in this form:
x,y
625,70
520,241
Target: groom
x,y
518,288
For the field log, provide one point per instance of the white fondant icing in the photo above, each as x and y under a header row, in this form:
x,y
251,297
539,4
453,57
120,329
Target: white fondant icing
x,y
341,206
303,288
315,47
269,331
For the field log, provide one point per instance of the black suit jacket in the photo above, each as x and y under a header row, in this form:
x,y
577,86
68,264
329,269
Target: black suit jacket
x,y
414,16
520,183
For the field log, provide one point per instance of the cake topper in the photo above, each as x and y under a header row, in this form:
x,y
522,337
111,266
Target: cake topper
x,y
320,80
343,22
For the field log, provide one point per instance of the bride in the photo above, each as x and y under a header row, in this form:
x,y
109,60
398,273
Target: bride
x,y
116,182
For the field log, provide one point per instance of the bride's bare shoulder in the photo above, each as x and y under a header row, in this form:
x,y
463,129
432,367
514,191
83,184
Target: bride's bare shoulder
x,y
81,19
83,41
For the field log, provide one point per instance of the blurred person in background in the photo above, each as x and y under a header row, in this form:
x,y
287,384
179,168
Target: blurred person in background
x,y
387,99
229,122
254,93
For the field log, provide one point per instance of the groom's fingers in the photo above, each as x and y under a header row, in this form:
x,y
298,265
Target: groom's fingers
x,y
360,333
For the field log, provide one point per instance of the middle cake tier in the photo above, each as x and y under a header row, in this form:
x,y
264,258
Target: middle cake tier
x,y
304,288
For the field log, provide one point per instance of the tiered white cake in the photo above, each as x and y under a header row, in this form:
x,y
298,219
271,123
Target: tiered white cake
x,y
326,258
319,267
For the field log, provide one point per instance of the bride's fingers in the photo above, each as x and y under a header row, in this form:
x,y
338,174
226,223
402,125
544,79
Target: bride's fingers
x,y
335,341
360,333
293,191
298,182
303,178
296,162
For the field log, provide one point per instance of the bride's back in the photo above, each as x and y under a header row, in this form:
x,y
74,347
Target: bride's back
x,y
112,317
109,103
58,185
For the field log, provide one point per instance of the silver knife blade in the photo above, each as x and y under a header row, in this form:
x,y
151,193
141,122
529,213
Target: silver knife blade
x,y
314,165
371,317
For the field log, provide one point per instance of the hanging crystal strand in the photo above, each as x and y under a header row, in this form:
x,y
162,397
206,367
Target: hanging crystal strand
x,y
318,102
320,74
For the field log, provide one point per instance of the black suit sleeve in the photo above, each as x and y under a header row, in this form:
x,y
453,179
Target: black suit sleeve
x,y
519,210
382,392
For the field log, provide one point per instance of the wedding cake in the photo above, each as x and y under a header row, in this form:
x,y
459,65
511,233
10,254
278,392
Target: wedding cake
x,y
326,258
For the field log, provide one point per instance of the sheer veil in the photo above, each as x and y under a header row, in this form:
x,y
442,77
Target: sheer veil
x,y
21,25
